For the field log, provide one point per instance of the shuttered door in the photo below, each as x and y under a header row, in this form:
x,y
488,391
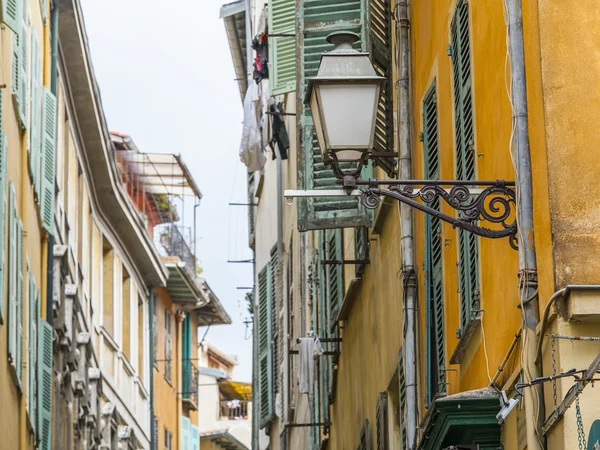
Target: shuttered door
x,y
379,46
317,19
47,163
282,49
185,434
265,380
276,331
44,381
468,256
3,220
19,305
381,417
435,355
12,276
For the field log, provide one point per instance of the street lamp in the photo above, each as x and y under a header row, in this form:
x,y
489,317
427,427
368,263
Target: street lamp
x,y
343,99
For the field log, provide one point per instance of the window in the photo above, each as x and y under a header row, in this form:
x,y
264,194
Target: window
x,y
433,264
168,439
126,309
141,343
168,342
468,252
108,287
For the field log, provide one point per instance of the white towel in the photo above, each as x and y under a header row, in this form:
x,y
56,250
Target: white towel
x,y
310,349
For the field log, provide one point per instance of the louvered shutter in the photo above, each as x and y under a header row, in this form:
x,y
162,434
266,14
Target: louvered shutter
x,y
381,418
379,46
185,434
365,436
251,209
24,68
12,276
36,112
11,14
16,65
33,345
44,379
468,252
3,217
402,399
435,355
334,274
315,20
195,438
265,363
19,305
282,49
48,155
274,301
361,248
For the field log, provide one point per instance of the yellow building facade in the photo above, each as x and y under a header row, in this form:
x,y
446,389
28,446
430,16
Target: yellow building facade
x,y
311,276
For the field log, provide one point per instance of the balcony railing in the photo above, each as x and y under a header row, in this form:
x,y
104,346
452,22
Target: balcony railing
x,y
190,383
173,243
233,410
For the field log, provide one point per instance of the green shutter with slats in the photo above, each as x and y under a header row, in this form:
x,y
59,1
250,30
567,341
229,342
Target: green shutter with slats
x,y
323,327
365,436
468,252
3,224
265,363
15,66
36,113
379,46
381,421
334,280
19,305
48,155
24,68
44,386
434,288
315,20
282,49
402,399
11,14
12,276
32,348
185,433
361,248
194,438
274,297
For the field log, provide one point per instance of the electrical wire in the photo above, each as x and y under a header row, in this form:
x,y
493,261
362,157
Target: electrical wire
x,y
485,352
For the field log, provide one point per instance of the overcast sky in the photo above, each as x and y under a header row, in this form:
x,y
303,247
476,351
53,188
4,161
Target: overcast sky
x,y
166,78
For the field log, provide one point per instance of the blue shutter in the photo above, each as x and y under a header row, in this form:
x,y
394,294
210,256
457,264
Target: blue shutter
x,y
44,384
265,363
185,434
434,288
468,251
33,345
282,49
24,68
3,217
19,305
36,113
315,20
12,276
11,14
16,66
48,155
195,438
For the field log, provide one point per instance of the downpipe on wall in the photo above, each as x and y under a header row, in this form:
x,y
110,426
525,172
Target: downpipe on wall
x,y
534,397
406,228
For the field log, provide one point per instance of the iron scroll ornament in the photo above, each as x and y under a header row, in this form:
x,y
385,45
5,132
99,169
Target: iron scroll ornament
x,y
493,204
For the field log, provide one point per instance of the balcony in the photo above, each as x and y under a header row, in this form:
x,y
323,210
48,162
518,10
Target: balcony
x,y
173,246
234,409
190,385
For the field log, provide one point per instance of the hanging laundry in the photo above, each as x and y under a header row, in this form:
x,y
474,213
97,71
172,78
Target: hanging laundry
x,y
261,67
251,152
310,349
279,132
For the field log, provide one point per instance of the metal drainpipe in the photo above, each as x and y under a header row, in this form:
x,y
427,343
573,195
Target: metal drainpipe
x,y
406,227
153,445
534,398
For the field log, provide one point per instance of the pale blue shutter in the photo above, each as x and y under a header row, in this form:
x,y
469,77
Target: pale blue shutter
x,y
11,15
48,154
36,112
195,438
19,306
44,384
185,433
33,340
12,276
15,66
3,216
282,49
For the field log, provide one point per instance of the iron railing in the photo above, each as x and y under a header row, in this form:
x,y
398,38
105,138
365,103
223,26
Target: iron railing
x,y
174,243
233,410
190,381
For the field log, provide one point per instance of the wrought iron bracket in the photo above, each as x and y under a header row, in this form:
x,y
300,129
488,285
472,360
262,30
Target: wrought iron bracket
x,y
493,202
341,262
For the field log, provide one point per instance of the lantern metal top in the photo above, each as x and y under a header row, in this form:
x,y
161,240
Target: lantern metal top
x,y
344,64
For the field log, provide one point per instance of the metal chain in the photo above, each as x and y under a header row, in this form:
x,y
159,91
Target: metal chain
x,y
580,430
554,370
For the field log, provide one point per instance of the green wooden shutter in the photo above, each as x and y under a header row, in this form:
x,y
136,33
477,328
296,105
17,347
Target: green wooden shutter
x,y
361,248
434,288
365,436
274,296
33,344
48,154
12,276
334,281
282,49
251,209
15,65
381,419
24,68
19,305
186,342
36,112
185,434
468,252
315,20
265,363
44,380
11,14
195,438
379,46
3,216
402,399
